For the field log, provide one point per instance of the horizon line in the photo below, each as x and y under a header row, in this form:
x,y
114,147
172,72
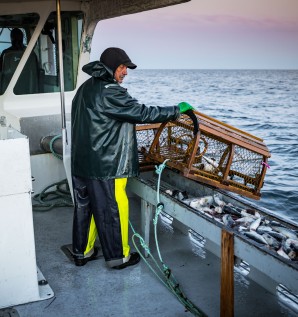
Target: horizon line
x,y
275,69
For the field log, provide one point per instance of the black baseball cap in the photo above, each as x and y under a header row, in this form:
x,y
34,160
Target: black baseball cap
x,y
114,57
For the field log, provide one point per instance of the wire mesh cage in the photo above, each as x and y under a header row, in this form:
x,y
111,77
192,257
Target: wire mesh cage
x,y
145,136
219,155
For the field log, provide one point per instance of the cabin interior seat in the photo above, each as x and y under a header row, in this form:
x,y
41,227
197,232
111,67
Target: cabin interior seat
x,y
28,82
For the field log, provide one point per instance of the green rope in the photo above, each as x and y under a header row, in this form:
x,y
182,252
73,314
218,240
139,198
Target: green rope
x,y
52,149
164,273
159,209
49,199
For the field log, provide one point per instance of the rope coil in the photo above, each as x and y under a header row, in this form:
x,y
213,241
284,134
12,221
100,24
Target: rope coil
x,y
49,199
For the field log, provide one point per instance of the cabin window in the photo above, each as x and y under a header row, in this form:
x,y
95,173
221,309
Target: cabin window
x,y
41,71
47,51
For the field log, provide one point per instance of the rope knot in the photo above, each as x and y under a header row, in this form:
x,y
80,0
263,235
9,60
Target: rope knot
x,y
160,206
160,168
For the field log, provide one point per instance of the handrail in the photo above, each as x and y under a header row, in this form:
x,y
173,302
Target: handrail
x,y
61,69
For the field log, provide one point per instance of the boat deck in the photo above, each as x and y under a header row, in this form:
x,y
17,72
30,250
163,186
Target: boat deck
x,y
95,290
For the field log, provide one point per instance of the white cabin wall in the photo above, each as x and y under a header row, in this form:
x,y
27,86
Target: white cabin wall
x,y
46,170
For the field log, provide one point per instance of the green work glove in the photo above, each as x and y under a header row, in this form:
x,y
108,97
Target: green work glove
x,y
184,106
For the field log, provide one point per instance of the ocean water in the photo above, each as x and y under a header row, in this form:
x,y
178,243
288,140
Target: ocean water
x,y
261,102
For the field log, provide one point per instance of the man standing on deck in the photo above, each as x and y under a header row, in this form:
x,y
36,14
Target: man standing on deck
x,y
104,154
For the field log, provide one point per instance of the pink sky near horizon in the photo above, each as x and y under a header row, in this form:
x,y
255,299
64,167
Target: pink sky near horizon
x,y
218,34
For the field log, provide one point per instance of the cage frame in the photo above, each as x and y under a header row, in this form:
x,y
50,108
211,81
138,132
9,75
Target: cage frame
x,y
223,133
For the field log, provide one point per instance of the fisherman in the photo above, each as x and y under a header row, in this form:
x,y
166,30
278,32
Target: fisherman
x,y
104,154
16,37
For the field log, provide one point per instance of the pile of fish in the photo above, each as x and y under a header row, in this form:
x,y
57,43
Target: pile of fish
x,y
248,222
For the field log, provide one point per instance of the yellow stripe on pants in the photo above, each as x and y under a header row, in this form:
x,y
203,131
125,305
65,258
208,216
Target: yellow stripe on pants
x,y
91,236
123,207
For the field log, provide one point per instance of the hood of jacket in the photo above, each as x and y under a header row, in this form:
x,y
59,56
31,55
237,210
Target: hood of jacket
x,y
99,70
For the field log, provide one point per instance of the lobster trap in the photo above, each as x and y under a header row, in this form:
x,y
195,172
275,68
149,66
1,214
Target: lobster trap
x,y
218,155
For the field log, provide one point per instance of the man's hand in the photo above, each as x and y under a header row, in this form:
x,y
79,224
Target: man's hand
x,y
184,106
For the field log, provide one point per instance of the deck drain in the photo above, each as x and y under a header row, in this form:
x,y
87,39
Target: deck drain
x,y
8,312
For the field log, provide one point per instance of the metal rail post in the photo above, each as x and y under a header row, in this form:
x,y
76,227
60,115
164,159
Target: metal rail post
x,y
61,70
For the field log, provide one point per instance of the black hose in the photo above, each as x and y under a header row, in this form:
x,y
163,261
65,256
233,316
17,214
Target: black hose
x,y
195,121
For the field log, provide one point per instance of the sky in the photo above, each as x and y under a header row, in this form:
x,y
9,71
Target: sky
x,y
207,34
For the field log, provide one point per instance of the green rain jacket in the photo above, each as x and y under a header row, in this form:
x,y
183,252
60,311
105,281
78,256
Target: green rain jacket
x,y
103,119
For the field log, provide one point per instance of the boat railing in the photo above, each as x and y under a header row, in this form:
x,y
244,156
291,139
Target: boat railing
x,y
266,267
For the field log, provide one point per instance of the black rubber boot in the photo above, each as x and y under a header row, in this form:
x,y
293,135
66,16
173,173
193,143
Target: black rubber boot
x,y
134,259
